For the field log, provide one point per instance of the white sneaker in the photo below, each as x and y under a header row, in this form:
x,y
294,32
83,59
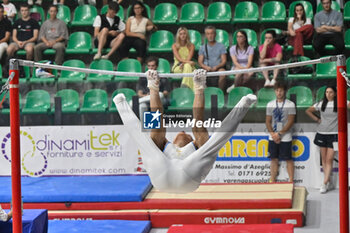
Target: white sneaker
x,y
40,73
30,2
272,82
330,186
97,56
81,2
324,188
267,83
38,2
230,89
104,57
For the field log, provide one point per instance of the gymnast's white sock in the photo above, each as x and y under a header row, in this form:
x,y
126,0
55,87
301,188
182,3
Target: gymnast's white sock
x,y
249,100
118,98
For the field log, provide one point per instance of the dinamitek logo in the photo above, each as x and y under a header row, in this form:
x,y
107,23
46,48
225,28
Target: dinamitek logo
x,y
154,120
33,163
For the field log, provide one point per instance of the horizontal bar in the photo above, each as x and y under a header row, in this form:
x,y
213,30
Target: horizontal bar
x,y
177,75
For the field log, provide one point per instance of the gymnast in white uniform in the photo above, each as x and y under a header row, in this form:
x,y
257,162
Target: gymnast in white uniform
x,y
181,165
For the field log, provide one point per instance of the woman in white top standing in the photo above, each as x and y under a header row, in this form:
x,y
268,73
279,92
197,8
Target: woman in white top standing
x,y
242,55
327,131
136,27
300,30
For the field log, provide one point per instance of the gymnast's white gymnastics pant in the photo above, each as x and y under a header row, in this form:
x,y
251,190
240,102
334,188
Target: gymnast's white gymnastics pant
x,y
180,175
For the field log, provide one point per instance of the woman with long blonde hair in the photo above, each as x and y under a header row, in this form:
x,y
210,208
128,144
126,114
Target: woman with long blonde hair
x,y
183,51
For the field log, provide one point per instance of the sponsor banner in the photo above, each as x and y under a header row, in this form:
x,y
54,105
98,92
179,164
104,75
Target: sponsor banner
x,y
109,150
244,159
72,150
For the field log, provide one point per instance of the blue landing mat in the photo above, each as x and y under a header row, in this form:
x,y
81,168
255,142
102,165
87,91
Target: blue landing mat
x,y
95,226
79,189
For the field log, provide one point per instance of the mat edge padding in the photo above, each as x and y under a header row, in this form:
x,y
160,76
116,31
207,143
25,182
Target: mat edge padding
x,y
79,189
173,201
246,228
165,218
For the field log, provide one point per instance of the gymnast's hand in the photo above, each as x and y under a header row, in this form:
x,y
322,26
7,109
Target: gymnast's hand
x,y
199,79
153,80
199,74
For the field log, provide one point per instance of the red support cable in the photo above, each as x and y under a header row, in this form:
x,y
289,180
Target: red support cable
x,y
15,148
343,147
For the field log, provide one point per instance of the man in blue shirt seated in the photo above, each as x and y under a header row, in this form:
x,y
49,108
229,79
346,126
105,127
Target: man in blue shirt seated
x,y
212,55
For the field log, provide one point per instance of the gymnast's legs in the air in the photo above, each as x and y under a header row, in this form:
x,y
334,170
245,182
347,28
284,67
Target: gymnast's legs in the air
x,y
183,174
